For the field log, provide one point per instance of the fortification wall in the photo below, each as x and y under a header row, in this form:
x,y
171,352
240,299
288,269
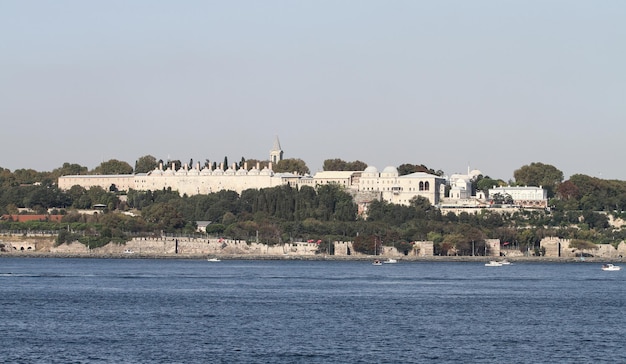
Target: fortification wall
x,y
556,247
493,247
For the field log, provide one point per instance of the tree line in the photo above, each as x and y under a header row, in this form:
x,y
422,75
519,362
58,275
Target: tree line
x,y
579,209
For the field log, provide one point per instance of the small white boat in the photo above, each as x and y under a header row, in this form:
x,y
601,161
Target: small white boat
x,y
213,260
377,262
610,267
390,261
493,263
128,251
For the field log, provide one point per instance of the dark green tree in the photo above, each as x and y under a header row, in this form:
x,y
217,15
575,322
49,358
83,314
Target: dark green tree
x,y
113,166
539,174
145,164
291,165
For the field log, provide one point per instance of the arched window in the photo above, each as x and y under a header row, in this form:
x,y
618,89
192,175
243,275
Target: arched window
x,y
421,186
427,186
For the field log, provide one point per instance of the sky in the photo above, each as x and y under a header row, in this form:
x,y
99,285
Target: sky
x,y
487,85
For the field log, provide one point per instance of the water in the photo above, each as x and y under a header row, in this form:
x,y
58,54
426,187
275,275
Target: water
x,y
191,311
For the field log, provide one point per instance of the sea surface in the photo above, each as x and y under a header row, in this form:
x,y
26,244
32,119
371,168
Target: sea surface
x,y
193,311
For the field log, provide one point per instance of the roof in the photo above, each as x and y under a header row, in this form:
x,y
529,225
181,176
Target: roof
x,y
276,146
334,174
420,175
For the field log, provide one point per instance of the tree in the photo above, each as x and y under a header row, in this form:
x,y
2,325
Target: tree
x,y
485,183
407,168
176,163
69,169
341,165
164,216
145,164
539,174
113,166
291,165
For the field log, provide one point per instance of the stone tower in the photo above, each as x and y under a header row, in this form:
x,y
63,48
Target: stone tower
x,y
276,154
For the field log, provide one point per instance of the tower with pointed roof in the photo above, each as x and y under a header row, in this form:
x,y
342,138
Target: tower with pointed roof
x,y
276,154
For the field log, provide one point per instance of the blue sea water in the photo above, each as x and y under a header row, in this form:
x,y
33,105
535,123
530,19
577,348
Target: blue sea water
x,y
194,311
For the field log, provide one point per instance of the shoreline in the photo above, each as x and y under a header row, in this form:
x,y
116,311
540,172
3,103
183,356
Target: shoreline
x,y
317,257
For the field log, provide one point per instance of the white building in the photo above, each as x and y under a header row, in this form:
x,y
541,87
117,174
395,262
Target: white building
x,y
527,196
365,185
398,189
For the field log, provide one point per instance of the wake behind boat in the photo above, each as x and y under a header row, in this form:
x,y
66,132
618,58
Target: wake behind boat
x,y
213,260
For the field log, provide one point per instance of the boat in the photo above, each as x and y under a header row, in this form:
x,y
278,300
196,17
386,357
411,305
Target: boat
x,y
213,260
377,262
128,251
505,262
610,267
390,261
493,263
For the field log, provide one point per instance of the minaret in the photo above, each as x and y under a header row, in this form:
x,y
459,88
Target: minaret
x,y
276,154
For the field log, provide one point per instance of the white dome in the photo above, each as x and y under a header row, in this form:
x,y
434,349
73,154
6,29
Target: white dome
x,y
371,169
241,172
389,171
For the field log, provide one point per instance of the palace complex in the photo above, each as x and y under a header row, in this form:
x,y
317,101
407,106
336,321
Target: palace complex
x,y
366,186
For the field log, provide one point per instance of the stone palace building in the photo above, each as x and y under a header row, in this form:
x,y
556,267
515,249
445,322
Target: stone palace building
x,y
366,186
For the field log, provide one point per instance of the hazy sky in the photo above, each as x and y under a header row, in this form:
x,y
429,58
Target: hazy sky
x,y
491,84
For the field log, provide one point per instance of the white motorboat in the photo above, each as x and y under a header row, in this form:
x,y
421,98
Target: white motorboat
x,y
390,261
493,263
377,262
213,260
610,267
128,251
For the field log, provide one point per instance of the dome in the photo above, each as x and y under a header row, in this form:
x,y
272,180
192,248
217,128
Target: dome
x,y
218,172
241,172
389,171
169,172
205,172
475,173
193,172
266,172
371,169
253,172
